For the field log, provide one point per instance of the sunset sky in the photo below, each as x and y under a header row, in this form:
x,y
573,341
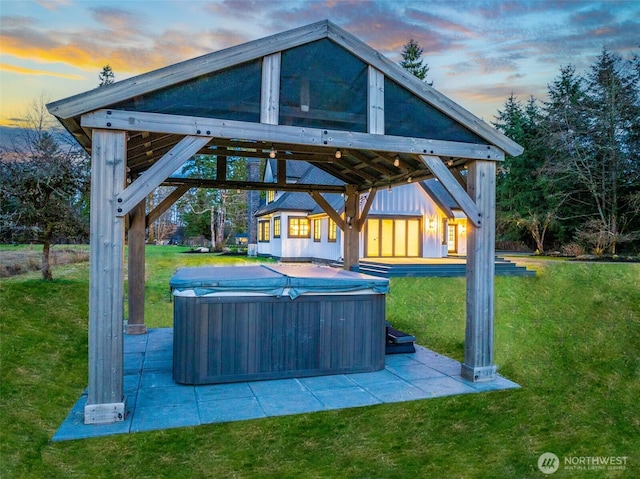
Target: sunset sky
x,y
478,51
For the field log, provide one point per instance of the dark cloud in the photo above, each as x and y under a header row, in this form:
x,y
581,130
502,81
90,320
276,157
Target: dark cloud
x,y
430,20
17,21
460,68
118,19
591,18
500,10
578,47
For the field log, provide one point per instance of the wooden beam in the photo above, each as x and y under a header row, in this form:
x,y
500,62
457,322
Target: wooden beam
x,y
459,178
281,173
450,184
221,168
270,89
351,236
136,270
357,169
252,185
218,128
376,101
105,401
165,204
328,209
478,346
160,171
373,163
365,209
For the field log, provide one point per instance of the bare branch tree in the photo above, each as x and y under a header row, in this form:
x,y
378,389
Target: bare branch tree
x,y
44,182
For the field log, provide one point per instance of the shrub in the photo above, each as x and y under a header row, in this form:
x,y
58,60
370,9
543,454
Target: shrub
x,y
573,249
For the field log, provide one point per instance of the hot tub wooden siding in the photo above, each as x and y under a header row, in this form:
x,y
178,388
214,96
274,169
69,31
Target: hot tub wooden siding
x,y
220,339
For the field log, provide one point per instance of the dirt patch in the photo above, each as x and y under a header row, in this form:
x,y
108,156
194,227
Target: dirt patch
x,y
25,260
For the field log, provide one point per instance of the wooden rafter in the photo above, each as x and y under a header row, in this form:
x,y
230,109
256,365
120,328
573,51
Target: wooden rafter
x,y
328,209
250,185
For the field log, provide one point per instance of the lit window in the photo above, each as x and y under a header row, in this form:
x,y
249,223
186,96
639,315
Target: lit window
x,y
299,227
271,196
333,231
317,230
263,231
276,227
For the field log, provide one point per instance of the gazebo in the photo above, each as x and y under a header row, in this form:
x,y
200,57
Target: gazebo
x,y
314,93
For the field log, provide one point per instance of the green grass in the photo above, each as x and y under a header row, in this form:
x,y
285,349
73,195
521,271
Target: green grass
x,y
569,336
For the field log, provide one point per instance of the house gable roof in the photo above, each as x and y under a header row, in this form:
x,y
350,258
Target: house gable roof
x,y
297,201
440,196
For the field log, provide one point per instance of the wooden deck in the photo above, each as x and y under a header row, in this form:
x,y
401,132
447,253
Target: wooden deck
x,y
454,266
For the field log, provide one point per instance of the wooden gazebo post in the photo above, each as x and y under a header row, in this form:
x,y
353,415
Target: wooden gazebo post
x,y
478,345
106,402
351,230
136,270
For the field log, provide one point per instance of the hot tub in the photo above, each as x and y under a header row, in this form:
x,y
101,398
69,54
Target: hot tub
x,y
246,323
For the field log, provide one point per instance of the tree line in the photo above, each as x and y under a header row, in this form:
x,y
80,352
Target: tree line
x,y
576,187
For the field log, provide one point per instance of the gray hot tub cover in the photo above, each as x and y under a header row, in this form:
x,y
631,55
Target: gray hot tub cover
x,y
273,280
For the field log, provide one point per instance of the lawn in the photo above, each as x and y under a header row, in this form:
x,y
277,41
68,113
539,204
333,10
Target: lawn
x,y
569,336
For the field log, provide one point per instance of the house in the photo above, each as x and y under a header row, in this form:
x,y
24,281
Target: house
x,y
416,220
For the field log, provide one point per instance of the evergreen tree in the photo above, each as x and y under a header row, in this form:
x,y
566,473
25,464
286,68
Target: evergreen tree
x,y
411,61
563,135
106,76
522,200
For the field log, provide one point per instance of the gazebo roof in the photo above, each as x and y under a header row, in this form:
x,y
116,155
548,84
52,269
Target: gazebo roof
x,y
306,93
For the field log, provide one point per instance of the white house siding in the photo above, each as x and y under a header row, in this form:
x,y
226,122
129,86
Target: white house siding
x,y
273,246
411,200
404,201
324,249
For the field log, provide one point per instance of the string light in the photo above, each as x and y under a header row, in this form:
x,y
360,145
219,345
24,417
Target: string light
x,y
338,154
396,161
273,152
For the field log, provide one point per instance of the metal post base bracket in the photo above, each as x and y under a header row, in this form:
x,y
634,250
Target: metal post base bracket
x,y
105,413
135,329
478,374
